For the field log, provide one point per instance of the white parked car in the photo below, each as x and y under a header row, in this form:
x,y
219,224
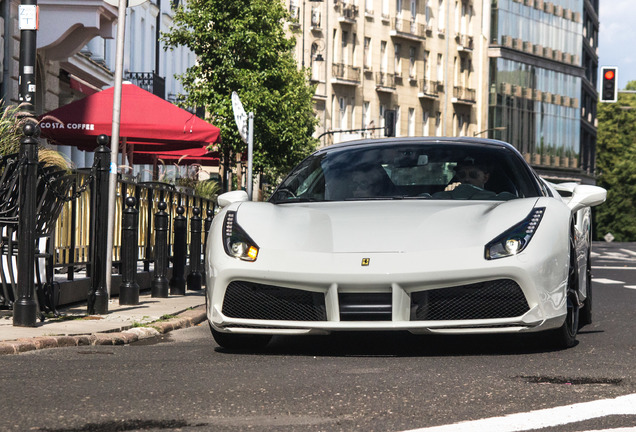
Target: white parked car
x,y
425,235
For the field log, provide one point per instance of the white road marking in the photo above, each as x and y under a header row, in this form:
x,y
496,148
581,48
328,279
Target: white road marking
x,y
551,417
606,281
630,286
613,268
629,252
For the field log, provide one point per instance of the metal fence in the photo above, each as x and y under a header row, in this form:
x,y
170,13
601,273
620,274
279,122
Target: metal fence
x,y
72,229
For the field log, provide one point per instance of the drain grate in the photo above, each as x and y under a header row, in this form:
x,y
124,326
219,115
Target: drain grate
x,y
571,380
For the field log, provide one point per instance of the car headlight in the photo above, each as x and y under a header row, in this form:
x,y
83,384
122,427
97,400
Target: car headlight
x,y
515,239
236,242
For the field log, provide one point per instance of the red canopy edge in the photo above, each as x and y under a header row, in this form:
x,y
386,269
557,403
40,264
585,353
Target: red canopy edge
x,y
148,122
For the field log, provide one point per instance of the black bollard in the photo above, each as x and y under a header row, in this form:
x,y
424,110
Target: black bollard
x,y
25,306
129,289
178,282
194,277
159,285
98,294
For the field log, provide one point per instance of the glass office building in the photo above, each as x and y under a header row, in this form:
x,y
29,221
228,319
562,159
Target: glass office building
x,y
535,80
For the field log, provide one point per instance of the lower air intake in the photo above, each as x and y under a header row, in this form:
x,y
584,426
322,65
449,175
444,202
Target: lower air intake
x,y
250,300
501,298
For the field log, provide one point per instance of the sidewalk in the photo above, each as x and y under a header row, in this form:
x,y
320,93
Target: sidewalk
x,y
121,325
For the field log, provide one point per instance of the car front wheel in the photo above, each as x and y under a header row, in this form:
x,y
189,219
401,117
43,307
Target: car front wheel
x,y
565,336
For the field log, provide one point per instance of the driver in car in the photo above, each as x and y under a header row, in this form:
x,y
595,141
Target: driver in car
x,y
470,173
469,182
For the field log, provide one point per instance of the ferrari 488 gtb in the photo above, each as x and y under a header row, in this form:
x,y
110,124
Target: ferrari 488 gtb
x,y
425,235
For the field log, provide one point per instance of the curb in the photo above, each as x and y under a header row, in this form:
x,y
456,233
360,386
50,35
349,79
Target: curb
x,y
189,318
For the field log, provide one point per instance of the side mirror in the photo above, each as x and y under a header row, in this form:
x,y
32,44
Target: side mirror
x,y
228,198
586,196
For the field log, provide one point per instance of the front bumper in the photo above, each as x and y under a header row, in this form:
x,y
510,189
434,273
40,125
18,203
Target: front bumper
x,y
337,293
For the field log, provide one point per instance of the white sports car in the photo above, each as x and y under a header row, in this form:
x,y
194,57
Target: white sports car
x,y
425,235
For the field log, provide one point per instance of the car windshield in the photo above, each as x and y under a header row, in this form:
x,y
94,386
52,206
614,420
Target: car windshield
x,y
409,171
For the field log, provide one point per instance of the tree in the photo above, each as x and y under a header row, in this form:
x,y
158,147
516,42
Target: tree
x,y
241,46
616,165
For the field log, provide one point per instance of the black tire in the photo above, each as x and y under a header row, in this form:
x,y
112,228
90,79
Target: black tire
x,y
565,336
585,314
240,342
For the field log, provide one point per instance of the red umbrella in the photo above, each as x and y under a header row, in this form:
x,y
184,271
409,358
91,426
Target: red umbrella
x,y
199,156
150,125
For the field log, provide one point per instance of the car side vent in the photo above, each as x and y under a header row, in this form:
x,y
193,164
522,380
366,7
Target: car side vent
x,y
502,298
250,300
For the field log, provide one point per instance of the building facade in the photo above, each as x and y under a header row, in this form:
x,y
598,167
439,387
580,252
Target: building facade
x,y
419,59
523,71
540,96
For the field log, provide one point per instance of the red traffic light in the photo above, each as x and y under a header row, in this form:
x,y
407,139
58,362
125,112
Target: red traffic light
x,y
609,86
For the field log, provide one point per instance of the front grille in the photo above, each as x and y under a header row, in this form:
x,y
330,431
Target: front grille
x,y
501,298
250,300
365,306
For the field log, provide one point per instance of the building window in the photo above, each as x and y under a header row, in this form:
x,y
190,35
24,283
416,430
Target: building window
x,y
383,55
398,60
440,17
367,53
438,124
411,122
440,68
345,47
412,70
424,123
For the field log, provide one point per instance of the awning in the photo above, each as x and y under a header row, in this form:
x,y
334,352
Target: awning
x,y
149,125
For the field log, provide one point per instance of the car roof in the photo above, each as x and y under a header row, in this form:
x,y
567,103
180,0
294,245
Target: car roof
x,y
482,142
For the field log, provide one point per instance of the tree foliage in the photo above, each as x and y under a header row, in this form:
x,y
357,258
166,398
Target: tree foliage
x,y
241,46
616,167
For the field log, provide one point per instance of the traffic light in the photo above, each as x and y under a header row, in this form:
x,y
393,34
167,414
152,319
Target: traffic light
x,y
609,89
389,123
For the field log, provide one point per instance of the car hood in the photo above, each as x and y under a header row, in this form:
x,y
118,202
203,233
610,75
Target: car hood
x,y
379,226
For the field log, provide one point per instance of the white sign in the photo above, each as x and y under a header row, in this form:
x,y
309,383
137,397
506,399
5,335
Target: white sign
x,y
28,17
239,116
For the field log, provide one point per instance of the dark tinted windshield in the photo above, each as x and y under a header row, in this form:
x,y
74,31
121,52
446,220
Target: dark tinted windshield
x,y
409,171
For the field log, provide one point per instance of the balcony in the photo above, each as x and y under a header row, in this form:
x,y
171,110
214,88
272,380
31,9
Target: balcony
x,y
345,74
348,14
407,29
148,81
464,95
385,82
428,89
464,43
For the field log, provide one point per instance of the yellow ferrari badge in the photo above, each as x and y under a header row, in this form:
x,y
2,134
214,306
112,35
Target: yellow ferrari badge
x,y
365,261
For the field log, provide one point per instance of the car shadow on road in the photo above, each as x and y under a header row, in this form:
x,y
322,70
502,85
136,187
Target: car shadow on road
x,y
404,344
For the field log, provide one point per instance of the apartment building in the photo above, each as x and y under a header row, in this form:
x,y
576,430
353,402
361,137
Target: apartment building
x,y
421,60
523,71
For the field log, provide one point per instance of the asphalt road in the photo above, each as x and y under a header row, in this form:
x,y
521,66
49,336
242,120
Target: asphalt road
x,y
366,382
